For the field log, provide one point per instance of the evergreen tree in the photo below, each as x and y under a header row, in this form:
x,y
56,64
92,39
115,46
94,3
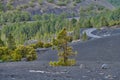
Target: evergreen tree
x,y
11,42
103,21
1,42
64,51
84,36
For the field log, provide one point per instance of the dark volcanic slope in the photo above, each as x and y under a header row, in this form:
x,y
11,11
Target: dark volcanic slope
x,y
104,49
88,66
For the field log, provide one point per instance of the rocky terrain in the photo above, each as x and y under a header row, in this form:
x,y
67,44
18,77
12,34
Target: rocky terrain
x,y
97,59
43,6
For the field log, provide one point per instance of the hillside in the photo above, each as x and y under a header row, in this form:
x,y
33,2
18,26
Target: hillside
x,y
115,3
91,56
103,49
38,39
54,6
41,19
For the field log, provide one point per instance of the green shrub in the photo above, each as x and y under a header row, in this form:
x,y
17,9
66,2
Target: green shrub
x,y
33,45
77,1
5,58
47,45
9,6
3,51
31,55
73,21
20,52
16,57
1,43
70,62
40,44
4,54
11,42
26,52
40,2
70,39
32,0
31,4
84,37
60,3
50,1
37,45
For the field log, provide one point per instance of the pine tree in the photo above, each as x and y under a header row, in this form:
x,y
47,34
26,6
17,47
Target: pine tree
x,y
1,42
103,21
11,42
84,36
64,51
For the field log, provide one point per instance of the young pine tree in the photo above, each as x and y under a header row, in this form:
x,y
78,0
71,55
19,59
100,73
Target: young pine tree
x,y
1,42
11,42
84,37
64,51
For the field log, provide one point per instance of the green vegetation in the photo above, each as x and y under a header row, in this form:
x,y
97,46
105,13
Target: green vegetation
x,y
64,51
40,1
19,26
61,3
41,44
84,37
20,52
18,16
77,1
26,52
13,53
44,27
50,1
116,3
11,42
1,43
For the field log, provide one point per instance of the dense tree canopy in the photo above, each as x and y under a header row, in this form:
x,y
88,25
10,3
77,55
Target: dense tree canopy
x,y
25,27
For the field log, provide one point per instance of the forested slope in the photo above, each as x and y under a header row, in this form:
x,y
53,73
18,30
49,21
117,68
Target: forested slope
x,y
38,19
41,20
52,6
115,3
46,26
103,49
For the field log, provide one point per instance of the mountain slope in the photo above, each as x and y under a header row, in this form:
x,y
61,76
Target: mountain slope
x,y
56,7
116,3
103,49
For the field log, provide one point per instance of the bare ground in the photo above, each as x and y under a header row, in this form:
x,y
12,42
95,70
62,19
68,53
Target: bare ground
x,y
91,56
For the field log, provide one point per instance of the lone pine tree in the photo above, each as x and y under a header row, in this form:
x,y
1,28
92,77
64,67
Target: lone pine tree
x,y
64,51
11,42
1,42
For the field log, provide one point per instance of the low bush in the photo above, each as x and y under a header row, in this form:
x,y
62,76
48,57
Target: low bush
x,y
47,45
20,52
1,43
84,37
5,54
77,1
60,3
26,52
70,62
50,1
15,56
41,45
